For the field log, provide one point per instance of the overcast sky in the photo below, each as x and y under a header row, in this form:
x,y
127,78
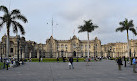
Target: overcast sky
x,y
69,14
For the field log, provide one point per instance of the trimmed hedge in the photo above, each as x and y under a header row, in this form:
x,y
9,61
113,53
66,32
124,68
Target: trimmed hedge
x,y
1,65
55,59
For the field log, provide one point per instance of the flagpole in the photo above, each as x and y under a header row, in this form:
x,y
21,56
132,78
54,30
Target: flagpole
x,y
52,26
9,5
74,32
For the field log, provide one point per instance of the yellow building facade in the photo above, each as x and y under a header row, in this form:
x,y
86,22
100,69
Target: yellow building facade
x,y
65,48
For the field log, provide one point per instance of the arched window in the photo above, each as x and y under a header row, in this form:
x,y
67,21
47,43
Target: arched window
x,y
62,46
74,45
58,46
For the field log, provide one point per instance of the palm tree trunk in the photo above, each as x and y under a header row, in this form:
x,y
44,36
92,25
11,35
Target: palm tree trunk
x,y
88,43
7,45
128,44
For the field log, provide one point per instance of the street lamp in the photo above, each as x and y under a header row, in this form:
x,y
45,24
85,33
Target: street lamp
x,y
95,50
21,54
1,51
78,49
21,51
18,38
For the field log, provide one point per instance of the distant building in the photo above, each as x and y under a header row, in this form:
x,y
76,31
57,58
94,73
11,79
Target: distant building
x,y
65,48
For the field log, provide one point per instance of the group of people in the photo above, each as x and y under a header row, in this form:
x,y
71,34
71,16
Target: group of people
x,y
134,62
7,62
70,59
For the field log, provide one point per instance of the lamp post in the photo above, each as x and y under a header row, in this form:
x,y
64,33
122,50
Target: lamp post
x,y
58,53
1,51
42,52
78,49
18,38
21,51
21,54
95,51
39,54
4,47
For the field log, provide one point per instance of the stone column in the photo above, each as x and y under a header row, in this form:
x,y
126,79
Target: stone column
x,y
37,54
30,54
66,54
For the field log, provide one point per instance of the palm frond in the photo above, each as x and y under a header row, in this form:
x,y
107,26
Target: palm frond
x,y
20,17
15,12
125,25
133,31
1,18
20,27
87,27
1,24
4,9
130,24
15,29
81,29
92,28
122,23
121,29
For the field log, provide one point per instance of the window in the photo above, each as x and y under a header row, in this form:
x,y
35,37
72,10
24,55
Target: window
x,y
66,46
81,46
85,46
74,45
58,46
11,50
62,46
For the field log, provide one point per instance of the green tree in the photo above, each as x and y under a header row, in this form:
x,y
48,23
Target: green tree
x,y
87,27
127,26
11,19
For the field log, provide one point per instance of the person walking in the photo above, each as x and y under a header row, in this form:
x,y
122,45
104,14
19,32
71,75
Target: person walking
x,y
63,59
77,59
119,61
71,61
58,59
134,64
7,63
87,60
125,61
41,59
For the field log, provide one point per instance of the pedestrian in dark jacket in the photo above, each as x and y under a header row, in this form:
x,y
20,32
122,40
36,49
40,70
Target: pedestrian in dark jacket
x,y
57,59
119,61
71,61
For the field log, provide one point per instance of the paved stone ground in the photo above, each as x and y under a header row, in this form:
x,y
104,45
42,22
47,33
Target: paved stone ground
x,y
105,70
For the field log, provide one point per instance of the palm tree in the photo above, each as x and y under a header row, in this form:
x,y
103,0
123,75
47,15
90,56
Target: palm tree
x,y
10,19
87,27
127,26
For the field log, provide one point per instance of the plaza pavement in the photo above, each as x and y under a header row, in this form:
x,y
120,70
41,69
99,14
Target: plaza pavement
x,y
105,70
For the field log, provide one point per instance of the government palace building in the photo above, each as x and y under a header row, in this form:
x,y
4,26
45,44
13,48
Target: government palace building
x,y
65,48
